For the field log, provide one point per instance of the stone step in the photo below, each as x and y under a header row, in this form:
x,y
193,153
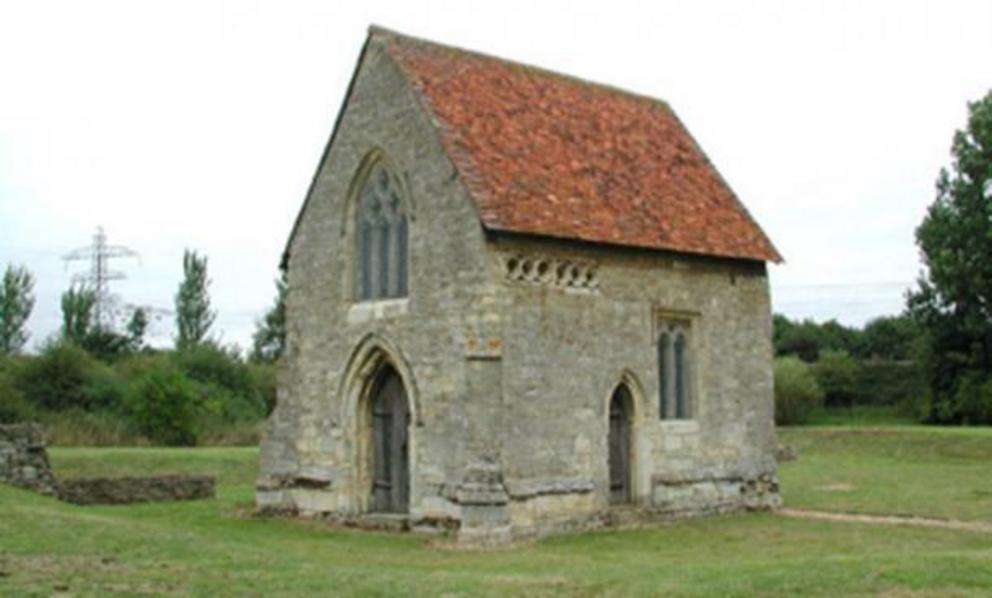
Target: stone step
x,y
391,522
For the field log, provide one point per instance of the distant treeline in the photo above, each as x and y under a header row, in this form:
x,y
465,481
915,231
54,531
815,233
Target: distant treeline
x,y
835,366
204,394
97,382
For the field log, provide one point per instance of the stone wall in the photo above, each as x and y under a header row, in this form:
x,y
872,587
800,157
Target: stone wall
x,y
24,463
312,455
23,459
565,350
126,490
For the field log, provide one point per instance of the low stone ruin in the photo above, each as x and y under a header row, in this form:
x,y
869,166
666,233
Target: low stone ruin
x,y
121,491
23,459
24,463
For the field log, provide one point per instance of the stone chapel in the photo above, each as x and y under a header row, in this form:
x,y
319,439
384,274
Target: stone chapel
x,y
519,303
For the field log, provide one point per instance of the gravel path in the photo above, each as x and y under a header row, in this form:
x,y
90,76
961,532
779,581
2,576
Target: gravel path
x,y
974,526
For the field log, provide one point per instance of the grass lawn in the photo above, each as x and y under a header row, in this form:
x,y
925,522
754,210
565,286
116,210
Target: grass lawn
x,y
862,415
215,547
904,470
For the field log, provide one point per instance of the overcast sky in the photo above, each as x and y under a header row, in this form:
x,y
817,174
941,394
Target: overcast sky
x,y
200,124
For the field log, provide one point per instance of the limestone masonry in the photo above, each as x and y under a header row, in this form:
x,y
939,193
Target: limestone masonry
x,y
456,375
24,460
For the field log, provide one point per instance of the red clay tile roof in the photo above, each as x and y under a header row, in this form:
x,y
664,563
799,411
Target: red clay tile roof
x,y
546,154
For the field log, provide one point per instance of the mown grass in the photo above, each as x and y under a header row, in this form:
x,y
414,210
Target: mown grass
x,y
216,547
906,470
863,415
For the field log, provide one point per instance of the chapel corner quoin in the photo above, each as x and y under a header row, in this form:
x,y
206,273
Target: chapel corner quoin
x,y
519,303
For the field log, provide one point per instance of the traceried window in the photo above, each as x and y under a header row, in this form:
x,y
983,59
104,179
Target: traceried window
x,y
674,371
381,271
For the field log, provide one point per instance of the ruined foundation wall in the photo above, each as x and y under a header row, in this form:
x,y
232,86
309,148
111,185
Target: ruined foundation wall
x,y
23,459
128,490
24,463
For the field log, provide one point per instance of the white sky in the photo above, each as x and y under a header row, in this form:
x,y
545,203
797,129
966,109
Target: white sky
x,y
199,125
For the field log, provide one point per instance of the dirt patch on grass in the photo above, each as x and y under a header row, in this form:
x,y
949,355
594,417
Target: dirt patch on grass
x,y
955,524
838,487
71,574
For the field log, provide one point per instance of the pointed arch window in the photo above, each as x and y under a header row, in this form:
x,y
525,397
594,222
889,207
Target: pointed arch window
x,y
382,255
674,371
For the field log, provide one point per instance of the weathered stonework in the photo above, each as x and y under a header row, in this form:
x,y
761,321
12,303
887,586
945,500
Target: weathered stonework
x,y
128,490
509,373
24,460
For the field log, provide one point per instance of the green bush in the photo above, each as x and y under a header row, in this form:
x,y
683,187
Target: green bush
x,y
224,406
837,374
960,405
973,399
264,380
161,397
162,404
210,363
225,383
899,384
64,376
797,394
892,338
14,408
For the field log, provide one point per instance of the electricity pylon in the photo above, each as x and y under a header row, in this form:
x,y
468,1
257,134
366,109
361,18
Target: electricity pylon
x,y
99,254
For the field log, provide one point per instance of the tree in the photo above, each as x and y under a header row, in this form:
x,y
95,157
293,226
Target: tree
x,y
193,314
837,337
270,333
890,337
803,339
953,299
807,339
782,327
16,303
77,314
80,327
136,327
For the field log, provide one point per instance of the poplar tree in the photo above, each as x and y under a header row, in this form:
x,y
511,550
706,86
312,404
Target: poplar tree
x,y
77,314
194,317
270,333
16,303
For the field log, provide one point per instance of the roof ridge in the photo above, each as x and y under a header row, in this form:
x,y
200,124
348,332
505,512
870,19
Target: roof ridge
x,y
391,34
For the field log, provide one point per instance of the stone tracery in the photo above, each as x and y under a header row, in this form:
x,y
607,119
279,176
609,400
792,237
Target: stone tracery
x,y
552,272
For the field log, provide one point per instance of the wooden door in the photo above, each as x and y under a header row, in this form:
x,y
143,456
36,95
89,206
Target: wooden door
x,y
390,455
619,443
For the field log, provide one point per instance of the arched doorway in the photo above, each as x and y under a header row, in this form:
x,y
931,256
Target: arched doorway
x,y
390,443
619,440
